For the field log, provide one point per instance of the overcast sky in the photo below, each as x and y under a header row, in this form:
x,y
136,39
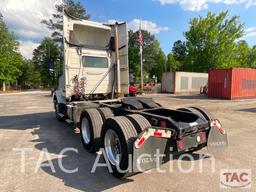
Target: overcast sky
x,y
167,19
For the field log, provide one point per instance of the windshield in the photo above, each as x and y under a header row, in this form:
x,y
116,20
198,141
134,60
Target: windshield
x,y
95,62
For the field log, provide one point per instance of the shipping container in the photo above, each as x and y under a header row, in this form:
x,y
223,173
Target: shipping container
x,y
183,82
234,83
167,84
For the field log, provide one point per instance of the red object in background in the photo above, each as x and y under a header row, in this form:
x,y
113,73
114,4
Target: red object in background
x,y
235,83
132,89
151,84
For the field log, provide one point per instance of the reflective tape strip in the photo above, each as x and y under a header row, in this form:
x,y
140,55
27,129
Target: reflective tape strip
x,y
193,124
216,123
160,133
151,132
157,134
141,141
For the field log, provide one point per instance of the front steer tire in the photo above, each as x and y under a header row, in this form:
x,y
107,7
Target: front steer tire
x,y
59,109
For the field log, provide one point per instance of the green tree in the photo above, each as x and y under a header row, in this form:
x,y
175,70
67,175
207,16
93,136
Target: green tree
x,y
153,56
1,17
31,76
179,51
172,64
46,58
73,8
243,51
10,59
134,59
251,60
211,42
159,67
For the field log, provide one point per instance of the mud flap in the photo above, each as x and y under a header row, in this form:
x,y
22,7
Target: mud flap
x,y
145,158
217,139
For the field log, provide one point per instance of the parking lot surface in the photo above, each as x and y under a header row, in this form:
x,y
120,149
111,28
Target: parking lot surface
x,y
27,121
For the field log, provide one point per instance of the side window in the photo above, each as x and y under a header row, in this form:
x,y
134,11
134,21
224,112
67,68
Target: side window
x,y
95,62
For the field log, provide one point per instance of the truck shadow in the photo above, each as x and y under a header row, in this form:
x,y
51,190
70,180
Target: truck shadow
x,y
53,137
82,178
250,110
192,156
190,96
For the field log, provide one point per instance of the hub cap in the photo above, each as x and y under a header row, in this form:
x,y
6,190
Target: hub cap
x,y
86,134
112,147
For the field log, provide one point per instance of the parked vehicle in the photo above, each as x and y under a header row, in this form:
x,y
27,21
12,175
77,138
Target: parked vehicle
x,y
91,95
204,89
132,90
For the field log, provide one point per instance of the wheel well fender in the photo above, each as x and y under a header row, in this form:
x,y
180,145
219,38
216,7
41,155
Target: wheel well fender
x,y
57,96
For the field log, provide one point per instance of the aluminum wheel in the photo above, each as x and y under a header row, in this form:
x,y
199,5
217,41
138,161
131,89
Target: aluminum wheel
x,y
86,134
112,147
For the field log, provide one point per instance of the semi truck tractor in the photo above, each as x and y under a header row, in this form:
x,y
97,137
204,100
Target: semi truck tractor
x,y
93,94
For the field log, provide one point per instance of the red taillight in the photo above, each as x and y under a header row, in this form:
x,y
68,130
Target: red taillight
x,y
157,134
202,136
163,124
180,144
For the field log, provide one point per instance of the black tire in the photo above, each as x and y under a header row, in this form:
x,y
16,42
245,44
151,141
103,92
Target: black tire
x,y
140,123
105,113
126,128
59,108
126,134
94,124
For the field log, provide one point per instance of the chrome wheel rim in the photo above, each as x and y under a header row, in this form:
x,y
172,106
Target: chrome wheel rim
x,y
112,147
86,134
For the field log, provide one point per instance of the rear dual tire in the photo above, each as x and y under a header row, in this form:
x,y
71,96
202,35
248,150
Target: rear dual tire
x,y
123,129
90,128
91,121
116,135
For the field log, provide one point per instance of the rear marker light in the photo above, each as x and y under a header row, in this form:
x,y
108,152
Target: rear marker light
x,y
181,144
203,136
